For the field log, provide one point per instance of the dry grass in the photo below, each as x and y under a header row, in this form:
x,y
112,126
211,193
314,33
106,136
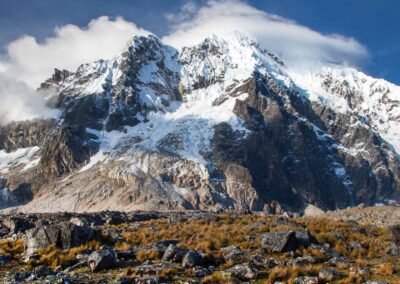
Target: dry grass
x,y
386,269
210,236
53,257
288,273
198,234
353,278
15,249
374,244
148,255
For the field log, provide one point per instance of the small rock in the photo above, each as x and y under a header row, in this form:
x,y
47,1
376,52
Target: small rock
x,y
339,260
243,271
303,261
328,275
31,257
354,244
231,253
123,280
82,256
21,276
306,280
42,271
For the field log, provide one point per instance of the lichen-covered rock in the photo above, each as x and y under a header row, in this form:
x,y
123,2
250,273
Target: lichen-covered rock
x,y
306,280
329,275
279,241
192,259
243,271
102,259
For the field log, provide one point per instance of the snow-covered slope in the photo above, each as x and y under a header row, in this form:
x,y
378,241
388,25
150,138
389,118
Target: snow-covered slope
x,y
223,124
375,102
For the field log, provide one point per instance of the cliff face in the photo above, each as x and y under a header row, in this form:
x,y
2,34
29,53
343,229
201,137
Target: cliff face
x,y
220,125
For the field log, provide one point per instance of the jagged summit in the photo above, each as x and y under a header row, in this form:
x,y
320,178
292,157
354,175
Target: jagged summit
x,y
220,125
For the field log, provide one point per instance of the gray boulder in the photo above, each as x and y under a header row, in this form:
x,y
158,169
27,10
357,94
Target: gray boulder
x,y
102,259
231,253
173,253
304,238
279,241
243,271
63,236
192,259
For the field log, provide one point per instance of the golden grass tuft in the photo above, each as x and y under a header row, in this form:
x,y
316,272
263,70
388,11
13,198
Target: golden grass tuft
x,y
148,255
53,257
12,248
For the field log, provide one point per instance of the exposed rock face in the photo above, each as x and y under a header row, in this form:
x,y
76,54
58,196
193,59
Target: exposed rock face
x,y
221,125
63,236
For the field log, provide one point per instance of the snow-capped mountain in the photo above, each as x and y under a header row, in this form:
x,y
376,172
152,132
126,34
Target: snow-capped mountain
x,y
220,125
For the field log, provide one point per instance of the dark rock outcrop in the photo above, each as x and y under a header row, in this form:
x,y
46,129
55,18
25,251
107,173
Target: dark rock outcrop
x,y
63,236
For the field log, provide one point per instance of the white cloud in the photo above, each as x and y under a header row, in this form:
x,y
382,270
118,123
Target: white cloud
x,y
20,102
33,62
185,13
291,41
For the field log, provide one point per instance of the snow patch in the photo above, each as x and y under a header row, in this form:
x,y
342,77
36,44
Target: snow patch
x,y
99,157
22,156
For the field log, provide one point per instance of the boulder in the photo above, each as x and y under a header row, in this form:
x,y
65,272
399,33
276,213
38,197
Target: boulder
x,y
174,253
192,259
231,253
312,211
63,236
243,271
304,238
102,259
19,225
279,241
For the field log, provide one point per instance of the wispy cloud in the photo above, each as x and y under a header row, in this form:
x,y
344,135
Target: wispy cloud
x,y
33,62
293,42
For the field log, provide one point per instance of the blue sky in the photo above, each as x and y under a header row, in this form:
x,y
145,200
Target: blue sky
x,y
373,24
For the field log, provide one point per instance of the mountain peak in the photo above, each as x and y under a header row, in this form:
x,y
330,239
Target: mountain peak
x,y
221,124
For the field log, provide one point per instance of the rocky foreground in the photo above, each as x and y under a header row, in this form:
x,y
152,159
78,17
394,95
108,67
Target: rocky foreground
x,y
197,247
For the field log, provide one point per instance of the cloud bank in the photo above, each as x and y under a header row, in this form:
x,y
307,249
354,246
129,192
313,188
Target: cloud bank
x,y
291,41
33,62
20,102
29,61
